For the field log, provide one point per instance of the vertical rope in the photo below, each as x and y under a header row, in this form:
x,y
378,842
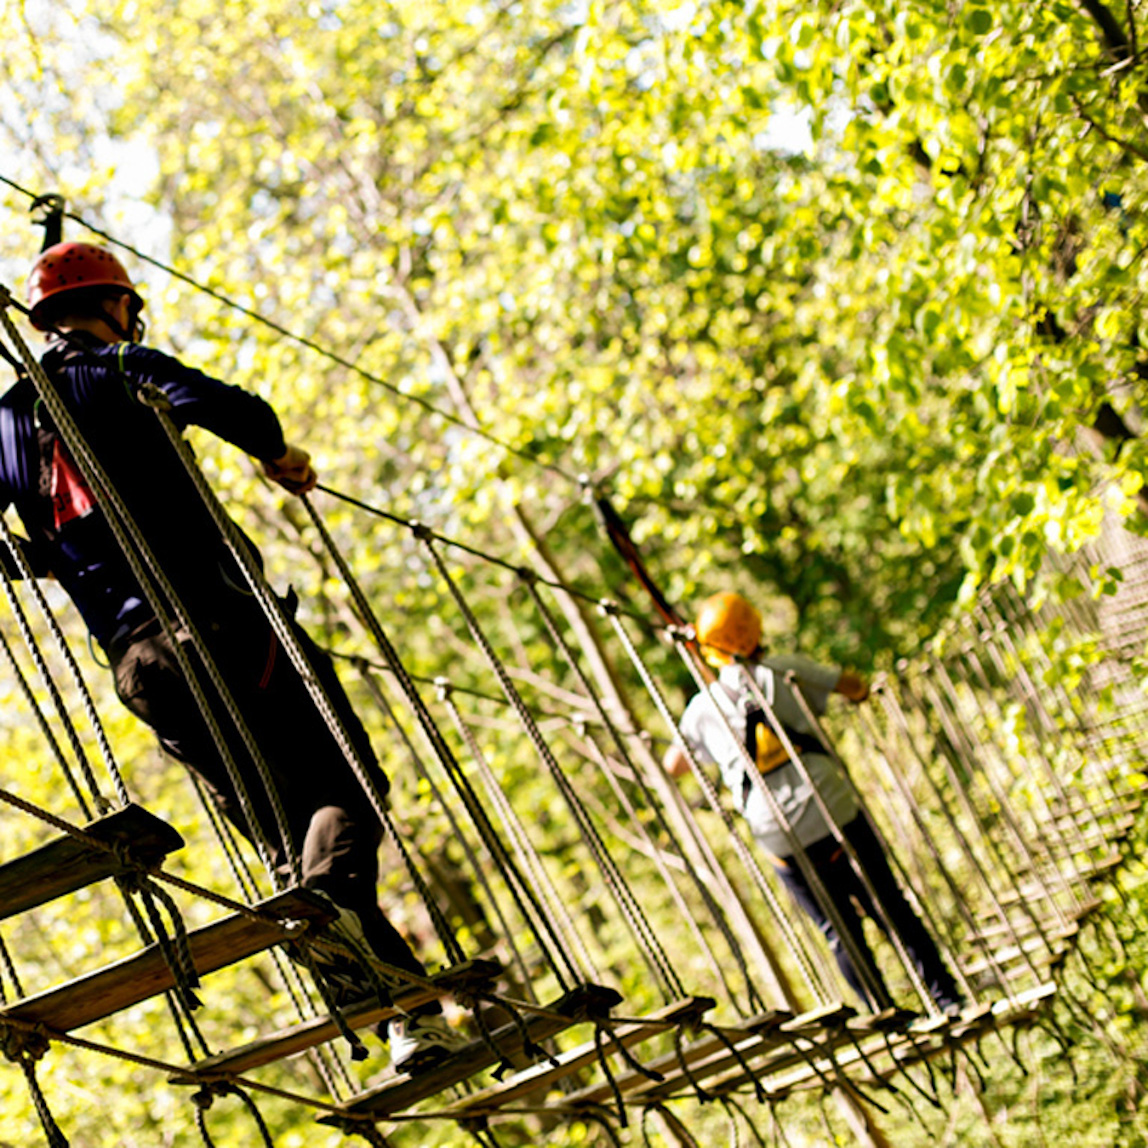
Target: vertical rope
x,y
331,1069
863,965
154,582
959,895
101,803
10,971
1049,832
654,852
558,638
1040,724
545,919
951,720
964,797
45,729
77,676
414,700
512,879
792,942
632,913
896,715
56,1138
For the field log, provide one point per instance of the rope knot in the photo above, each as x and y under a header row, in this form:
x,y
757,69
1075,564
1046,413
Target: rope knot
x,y
24,1045
132,879
205,1096
151,396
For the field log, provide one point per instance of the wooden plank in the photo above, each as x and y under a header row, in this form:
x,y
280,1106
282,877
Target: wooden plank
x,y
545,1074
929,1039
754,1032
1026,927
824,1028
146,974
1123,803
65,864
1069,843
918,1040
298,1038
580,1004
1009,960
1032,891
711,1056
727,1074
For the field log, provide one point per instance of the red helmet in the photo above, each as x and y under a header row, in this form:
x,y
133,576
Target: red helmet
x,y
72,267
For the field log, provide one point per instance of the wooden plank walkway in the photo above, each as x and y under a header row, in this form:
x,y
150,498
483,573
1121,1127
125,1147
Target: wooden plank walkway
x,y
580,1004
65,864
546,1074
717,1050
145,974
298,1038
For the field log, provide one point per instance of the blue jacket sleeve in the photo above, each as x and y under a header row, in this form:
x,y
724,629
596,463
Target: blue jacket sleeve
x,y
236,415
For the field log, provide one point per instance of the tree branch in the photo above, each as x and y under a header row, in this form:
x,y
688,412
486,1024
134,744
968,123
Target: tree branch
x,y
1126,146
1118,45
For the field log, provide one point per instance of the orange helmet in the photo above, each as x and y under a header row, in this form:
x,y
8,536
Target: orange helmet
x,y
73,267
728,627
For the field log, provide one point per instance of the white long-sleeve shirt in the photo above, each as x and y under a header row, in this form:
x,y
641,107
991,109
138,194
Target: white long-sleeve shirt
x,y
711,742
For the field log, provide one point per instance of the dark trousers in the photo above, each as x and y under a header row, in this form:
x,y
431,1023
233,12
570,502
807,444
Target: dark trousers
x,y
331,822
844,887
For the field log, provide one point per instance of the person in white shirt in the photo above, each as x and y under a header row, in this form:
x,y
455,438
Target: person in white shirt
x,y
717,725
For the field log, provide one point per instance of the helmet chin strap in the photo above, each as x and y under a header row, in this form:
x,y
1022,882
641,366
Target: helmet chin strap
x,y
134,331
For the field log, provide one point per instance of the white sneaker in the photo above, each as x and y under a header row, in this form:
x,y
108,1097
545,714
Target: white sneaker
x,y
349,978
420,1042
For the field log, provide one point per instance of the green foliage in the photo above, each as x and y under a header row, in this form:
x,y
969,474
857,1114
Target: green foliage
x,y
854,377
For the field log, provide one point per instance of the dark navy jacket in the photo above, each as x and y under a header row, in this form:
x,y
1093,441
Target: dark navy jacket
x,y
69,534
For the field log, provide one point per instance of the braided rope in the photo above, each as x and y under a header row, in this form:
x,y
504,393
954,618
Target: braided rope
x,y
895,710
179,1073
288,974
10,971
205,1097
49,682
655,853
744,853
897,719
74,671
478,816
183,1017
45,728
632,912
552,917
56,1138
974,675
880,750
137,553
559,639
422,714
952,725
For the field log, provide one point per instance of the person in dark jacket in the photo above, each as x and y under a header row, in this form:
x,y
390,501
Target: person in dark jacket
x,y
84,298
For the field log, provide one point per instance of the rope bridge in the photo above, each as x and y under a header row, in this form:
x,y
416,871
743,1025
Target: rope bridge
x,y
1001,798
